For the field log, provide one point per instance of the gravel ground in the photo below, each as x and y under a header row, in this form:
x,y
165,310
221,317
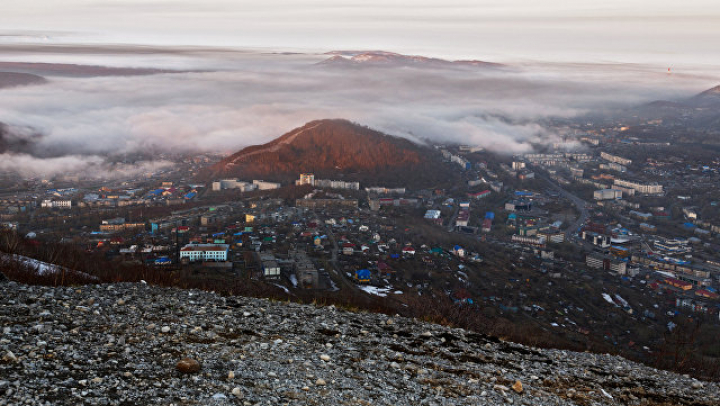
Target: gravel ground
x,y
122,344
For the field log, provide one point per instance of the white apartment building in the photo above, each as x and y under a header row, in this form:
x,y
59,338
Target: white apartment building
x,y
62,204
614,158
205,252
643,188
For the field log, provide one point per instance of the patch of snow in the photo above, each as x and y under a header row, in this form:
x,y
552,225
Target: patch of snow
x,y
398,292
608,299
293,280
282,287
42,268
382,292
667,274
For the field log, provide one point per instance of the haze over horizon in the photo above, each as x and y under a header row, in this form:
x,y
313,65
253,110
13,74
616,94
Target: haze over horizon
x,y
668,33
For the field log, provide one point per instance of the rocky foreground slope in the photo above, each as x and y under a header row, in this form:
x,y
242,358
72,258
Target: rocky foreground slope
x,y
121,344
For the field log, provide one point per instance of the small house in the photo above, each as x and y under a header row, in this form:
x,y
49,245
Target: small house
x,y
362,276
384,270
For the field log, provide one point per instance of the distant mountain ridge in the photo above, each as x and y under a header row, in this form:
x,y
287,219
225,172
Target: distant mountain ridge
x,y
15,79
391,59
700,113
75,70
337,149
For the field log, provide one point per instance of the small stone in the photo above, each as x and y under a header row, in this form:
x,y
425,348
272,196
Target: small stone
x,y
697,385
237,392
231,375
165,329
188,366
325,357
97,380
389,322
306,388
121,302
320,382
502,388
150,326
9,357
394,365
517,387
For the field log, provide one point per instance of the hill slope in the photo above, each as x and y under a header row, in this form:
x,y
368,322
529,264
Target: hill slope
x,y
336,149
119,345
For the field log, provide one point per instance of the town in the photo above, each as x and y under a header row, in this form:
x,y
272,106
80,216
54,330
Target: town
x,y
604,242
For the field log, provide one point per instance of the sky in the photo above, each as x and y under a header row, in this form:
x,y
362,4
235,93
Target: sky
x,y
233,88
662,32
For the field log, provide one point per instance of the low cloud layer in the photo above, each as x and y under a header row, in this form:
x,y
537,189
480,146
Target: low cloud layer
x,y
251,98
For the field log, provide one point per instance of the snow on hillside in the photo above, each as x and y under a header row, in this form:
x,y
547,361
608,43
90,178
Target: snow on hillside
x,y
40,267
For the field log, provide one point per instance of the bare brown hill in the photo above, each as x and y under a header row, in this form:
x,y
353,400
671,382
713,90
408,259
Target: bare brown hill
x,y
337,149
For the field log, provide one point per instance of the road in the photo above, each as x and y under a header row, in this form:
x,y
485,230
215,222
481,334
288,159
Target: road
x,y
456,210
579,203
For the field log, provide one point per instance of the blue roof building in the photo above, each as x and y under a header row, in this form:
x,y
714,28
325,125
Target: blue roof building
x,y
362,276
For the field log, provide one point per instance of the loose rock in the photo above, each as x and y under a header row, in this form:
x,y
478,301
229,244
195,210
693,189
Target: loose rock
x,y
188,366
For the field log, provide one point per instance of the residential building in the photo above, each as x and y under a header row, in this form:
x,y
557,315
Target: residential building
x,y
613,167
317,203
269,265
306,179
640,187
606,262
433,216
263,185
56,204
463,218
479,195
614,158
226,184
306,275
534,240
205,252
607,194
